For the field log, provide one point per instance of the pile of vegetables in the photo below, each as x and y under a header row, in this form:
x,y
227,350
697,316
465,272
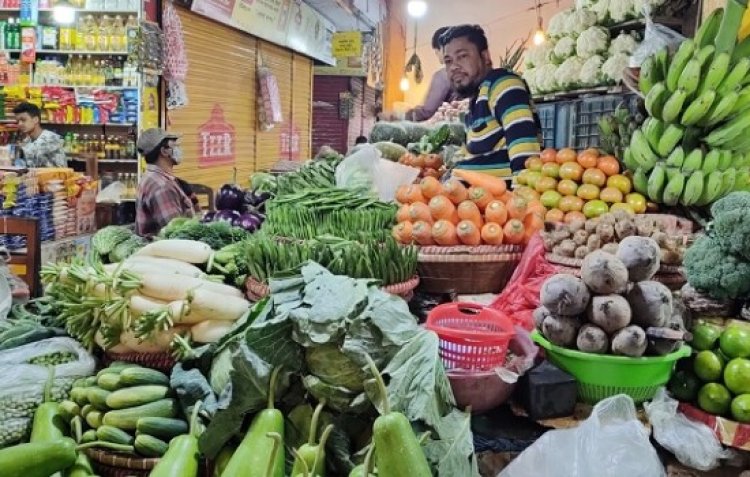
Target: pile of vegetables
x,y
323,331
406,133
432,213
616,129
579,186
115,243
27,324
317,173
693,149
579,238
615,307
425,156
216,235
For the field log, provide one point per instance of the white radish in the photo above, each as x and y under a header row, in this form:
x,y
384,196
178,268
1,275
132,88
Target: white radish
x,y
129,339
118,348
221,289
180,312
207,305
210,331
190,251
164,338
139,305
167,265
168,287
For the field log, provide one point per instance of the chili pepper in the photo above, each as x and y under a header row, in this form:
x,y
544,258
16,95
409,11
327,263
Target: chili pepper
x,y
397,450
182,457
255,452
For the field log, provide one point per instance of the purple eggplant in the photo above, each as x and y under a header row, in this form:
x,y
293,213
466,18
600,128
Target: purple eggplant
x,y
249,221
208,217
229,216
229,197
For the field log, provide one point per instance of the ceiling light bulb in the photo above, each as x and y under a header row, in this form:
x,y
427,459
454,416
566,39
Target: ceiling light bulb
x,y
539,37
404,85
416,8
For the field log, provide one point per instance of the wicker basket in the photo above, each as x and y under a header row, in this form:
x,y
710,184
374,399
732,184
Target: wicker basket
x,y
467,270
108,464
160,361
258,290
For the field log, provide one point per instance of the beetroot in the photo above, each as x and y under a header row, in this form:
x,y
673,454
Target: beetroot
x,y
560,330
609,312
604,273
641,256
564,294
630,341
592,339
651,303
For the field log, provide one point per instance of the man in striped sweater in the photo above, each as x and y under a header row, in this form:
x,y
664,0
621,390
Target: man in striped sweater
x,y
501,128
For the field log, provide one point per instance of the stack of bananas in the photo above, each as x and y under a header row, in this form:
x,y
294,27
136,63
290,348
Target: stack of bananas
x,y
616,129
692,150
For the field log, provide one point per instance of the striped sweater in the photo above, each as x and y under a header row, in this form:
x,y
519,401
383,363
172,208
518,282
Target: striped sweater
x,y
501,130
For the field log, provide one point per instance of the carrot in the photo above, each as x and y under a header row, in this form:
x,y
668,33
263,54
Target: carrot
x,y
532,223
414,195
480,196
442,208
494,185
507,195
517,208
444,233
492,233
535,207
468,233
419,211
430,187
514,232
402,232
403,213
496,212
455,191
401,194
422,233
468,210
433,161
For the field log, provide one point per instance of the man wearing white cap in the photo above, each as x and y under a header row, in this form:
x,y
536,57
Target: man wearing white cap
x,y
160,197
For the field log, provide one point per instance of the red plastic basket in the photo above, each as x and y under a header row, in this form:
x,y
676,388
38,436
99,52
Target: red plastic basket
x,y
472,336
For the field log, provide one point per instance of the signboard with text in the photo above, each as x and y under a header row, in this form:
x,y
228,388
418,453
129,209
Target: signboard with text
x,y
347,44
216,144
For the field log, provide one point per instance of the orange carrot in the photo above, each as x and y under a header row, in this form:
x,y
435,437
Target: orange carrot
x,y
494,185
492,233
403,213
414,194
402,232
422,233
442,208
507,195
401,195
517,208
535,207
532,224
480,196
496,212
444,233
419,211
468,210
433,161
455,191
514,232
430,187
468,233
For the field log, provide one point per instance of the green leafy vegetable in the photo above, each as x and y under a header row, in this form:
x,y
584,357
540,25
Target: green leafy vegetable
x,y
106,239
215,234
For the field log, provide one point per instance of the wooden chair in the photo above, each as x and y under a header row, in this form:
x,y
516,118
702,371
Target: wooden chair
x,y
25,263
205,196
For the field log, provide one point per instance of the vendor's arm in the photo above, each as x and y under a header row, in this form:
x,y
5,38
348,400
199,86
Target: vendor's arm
x,y
512,106
437,93
166,204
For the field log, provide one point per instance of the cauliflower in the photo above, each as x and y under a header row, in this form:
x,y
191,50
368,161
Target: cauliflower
x,y
569,73
529,75
592,41
601,9
538,55
579,21
591,74
624,43
546,78
621,10
731,224
556,27
712,269
614,66
564,49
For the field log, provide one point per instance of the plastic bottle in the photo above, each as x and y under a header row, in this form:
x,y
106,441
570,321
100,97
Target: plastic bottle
x,y
119,35
105,33
91,33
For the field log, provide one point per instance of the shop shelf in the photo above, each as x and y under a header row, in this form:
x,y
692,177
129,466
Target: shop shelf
x,y
107,125
75,52
108,88
586,112
77,10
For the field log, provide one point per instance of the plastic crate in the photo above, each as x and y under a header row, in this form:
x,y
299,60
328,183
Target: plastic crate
x,y
584,130
555,120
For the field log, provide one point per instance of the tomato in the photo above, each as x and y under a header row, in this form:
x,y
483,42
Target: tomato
x,y
551,169
532,177
621,206
571,203
567,187
545,183
587,159
549,155
571,170
595,208
526,193
610,195
566,155
620,182
550,198
609,165
594,176
588,192
534,163
637,202
554,215
522,177
574,216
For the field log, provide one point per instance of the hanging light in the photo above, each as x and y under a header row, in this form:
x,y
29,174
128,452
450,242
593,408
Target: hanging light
x,y
539,35
63,13
404,85
416,8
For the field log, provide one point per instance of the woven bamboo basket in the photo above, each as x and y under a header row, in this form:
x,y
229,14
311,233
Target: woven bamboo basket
x,y
258,290
110,464
467,270
160,361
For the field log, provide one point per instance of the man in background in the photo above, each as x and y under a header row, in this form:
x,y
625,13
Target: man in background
x,y
501,128
40,147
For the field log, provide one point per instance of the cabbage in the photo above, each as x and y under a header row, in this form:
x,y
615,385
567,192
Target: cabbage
x,y
333,367
337,398
106,239
389,132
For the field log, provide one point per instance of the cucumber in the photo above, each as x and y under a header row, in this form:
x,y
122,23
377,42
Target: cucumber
x,y
88,436
116,367
143,376
127,419
90,381
79,396
149,446
94,419
109,381
161,427
69,409
136,396
98,398
114,435
86,409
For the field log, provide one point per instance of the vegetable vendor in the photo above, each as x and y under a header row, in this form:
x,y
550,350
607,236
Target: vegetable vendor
x,y
502,130
40,147
160,197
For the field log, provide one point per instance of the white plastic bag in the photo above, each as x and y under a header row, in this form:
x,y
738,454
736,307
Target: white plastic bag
x,y
365,169
610,443
693,443
655,38
112,194
6,297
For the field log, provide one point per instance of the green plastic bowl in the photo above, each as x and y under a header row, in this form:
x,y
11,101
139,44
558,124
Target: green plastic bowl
x,y
600,376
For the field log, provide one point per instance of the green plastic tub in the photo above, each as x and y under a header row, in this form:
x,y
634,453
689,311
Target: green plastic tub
x,y
600,376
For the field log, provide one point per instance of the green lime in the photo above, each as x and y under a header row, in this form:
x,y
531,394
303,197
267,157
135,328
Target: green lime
x,y
737,376
735,341
741,408
705,336
708,366
714,398
684,386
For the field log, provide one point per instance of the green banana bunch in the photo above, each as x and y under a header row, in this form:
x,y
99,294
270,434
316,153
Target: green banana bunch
x,y
709,28
679,61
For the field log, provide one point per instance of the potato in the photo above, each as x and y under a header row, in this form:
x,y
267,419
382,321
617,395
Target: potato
x,y
606,232
592,339
581,252
593,242
604,273
591,225
610,248
625,228
644,225
580,237
629,341
576,225
609,312
564,294
651,303
561,330
641,256
568,248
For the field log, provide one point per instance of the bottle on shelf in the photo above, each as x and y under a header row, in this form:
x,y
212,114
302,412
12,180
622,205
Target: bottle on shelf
x,y
119,35
79,34
105,34
91,33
